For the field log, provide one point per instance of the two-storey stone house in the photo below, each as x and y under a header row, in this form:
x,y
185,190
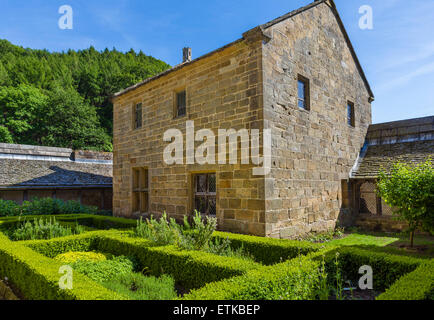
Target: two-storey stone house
x,y
298,76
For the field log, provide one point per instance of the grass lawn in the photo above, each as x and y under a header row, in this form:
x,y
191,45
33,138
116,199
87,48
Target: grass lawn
x,y
389,242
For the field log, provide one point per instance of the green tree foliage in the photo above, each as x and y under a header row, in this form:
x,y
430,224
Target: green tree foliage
x,y
63,99
410,189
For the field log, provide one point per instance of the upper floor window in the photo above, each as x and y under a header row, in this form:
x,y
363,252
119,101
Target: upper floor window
x,y
137,123
303,93
350,114
205,193
181,104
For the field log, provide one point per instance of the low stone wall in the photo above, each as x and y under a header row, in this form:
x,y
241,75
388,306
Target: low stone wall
x,y
370,222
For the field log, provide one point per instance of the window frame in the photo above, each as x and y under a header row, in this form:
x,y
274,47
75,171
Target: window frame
x,y
176,103
351,114
136,124
207,195
140,190
306,99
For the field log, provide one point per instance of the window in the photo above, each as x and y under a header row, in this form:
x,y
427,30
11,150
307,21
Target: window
x,y
137,116
205,193
350,114
303,93
181,104
140,190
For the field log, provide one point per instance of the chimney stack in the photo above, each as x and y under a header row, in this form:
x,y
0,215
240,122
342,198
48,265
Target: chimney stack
x,y
186,55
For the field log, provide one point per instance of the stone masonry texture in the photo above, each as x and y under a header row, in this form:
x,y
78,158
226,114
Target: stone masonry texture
x,y
252,84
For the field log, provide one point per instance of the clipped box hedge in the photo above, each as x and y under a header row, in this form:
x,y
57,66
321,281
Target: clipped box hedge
x,y
190,269
294,279
37,276
417,285
386,268
94,221
269,251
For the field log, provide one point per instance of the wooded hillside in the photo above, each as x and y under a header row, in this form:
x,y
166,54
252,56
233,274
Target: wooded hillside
x,y
62,99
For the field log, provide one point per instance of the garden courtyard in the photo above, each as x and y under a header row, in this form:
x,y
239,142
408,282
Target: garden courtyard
x,y
94,257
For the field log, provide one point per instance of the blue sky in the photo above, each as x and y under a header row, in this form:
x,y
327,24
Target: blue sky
x,y
397,55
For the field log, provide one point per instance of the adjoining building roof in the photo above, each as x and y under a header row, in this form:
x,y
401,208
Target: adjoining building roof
x,y
262,28
410,141
27,167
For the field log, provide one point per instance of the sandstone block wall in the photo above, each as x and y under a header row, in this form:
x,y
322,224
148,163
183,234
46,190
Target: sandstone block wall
x,y
313,151
224,91
252,84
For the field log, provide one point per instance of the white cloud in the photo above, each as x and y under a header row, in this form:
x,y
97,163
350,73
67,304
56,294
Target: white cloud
x,y
406,78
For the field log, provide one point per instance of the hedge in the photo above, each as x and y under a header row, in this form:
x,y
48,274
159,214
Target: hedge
x,y
386,268
417,285
269,251
99,222
53,247
190,269
37,276
294,279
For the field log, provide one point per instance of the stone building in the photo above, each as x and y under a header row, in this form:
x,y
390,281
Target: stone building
x,y
298,76
409,141
27,172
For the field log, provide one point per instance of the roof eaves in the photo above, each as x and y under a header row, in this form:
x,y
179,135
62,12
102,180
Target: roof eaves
x,y
175,68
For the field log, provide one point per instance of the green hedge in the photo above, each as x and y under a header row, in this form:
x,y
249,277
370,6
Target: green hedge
x,y
191,269
37,276
294,279
98,222
269,251
417,285
54,247
386,268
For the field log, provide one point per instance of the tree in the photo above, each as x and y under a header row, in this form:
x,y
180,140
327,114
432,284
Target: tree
x,y
29,88
5,135
410,188
68,121
20,109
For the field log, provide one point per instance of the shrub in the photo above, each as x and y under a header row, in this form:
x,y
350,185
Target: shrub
x,y
44,206
199,235
160,232
72,257
136,286
191,269
267,250
37,276
223,248
417,285
386,268
43,229
295,279
9,208
410,189
104,270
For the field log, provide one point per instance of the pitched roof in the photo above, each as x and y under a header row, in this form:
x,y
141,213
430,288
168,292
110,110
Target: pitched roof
x,y
410,141
24,166
33,173
263,27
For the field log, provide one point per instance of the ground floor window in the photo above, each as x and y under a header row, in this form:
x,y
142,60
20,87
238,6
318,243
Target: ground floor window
x,y
140,190
205,193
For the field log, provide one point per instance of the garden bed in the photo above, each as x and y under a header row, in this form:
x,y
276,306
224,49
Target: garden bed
x,y
278,269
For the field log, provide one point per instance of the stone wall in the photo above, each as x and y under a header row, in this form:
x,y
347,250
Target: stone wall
x,y
252,84
313,151
224,91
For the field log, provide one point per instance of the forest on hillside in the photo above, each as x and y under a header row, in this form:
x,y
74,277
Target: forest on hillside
x,y
63,99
